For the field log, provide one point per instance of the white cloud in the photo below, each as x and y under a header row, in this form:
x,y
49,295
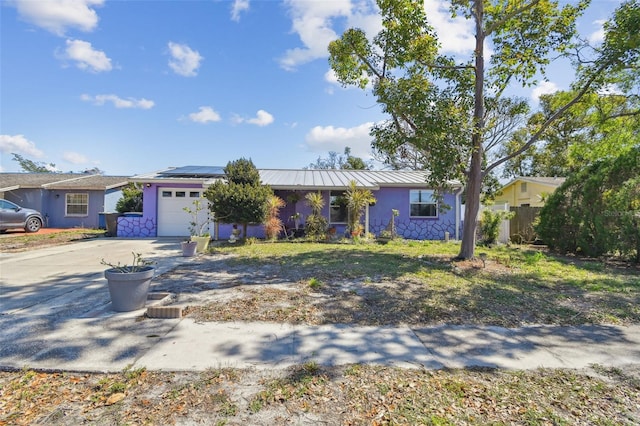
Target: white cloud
x,y
185,61
237,8
86,57
312,20
118,102
454,34
263,118
597,36
57,16
18,144
331,77
328,138
74,158
544,88
204,115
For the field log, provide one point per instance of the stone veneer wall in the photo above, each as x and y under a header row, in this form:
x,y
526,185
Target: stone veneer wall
x,y
418,229
139,227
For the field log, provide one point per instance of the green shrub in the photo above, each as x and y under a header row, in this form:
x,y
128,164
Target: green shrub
x,y
316,227
597,210
490,225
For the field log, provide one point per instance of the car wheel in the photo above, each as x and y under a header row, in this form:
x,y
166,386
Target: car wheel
x,y
33,225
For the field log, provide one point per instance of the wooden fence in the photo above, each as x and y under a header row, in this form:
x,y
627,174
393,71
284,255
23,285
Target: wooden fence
x,y
521,225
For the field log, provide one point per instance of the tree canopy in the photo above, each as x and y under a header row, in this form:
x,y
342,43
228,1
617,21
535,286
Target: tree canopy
x,y
344,161
33,166
239,197
131,200
442,107
600,126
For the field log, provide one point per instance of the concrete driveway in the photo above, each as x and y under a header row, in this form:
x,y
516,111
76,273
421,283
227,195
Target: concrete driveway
x,y
69,279
55,307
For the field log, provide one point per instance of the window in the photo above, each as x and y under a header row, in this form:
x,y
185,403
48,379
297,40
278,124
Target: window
x,y
422,203
338,207
523,187
180,194
167,194
194,194
77,205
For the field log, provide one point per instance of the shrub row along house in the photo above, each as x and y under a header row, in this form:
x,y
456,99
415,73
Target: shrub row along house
x,y
166,193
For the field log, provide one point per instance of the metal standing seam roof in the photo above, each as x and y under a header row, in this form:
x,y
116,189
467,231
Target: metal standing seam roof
x,y
302,179
340,179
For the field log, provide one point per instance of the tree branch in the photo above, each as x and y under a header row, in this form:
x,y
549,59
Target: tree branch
x,y
550,120
623,114
508,16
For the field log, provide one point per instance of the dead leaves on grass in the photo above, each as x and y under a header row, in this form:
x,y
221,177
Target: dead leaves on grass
x,y
349,395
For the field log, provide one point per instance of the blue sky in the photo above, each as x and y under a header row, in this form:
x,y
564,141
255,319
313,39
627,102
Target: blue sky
x,y
132,87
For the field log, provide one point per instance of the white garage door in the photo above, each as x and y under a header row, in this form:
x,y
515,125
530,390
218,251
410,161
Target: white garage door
x,y
172,219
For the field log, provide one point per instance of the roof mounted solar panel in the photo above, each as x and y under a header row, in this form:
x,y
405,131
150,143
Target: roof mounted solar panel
x,y
195,171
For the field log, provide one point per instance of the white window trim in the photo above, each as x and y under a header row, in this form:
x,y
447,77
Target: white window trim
x,y
66,205
434,203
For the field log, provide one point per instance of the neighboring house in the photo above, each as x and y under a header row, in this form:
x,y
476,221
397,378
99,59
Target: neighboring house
x,y
66,200
167,192
525,196
528,191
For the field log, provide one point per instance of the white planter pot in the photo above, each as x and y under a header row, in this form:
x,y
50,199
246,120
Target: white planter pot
x,y
189,248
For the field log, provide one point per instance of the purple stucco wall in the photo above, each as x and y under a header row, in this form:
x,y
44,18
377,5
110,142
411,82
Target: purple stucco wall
x,y
379,216
51,203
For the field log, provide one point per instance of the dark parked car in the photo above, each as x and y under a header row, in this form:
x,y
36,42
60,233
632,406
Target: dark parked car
x,y
14,216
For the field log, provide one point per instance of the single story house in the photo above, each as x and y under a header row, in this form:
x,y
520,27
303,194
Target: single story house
x,y
528,191
66,200
168,192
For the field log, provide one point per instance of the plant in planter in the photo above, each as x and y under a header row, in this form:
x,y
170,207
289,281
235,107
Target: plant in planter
x,y
198,224
129,284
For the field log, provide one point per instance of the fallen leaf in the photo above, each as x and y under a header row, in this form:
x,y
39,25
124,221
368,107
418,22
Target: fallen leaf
x,y
116,397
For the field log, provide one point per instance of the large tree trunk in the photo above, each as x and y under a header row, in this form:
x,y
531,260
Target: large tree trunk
x,y
474,178
472,206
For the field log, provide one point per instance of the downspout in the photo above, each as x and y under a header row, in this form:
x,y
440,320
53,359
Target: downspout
x,y
366,220
458,207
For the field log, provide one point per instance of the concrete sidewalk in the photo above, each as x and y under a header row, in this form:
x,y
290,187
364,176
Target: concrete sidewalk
x,y
54,314
114,342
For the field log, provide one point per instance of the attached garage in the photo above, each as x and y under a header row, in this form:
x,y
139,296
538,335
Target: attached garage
x,y
172,219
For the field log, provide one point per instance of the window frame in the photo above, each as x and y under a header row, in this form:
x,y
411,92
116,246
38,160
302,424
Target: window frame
x,y
342,209
433,202
67,204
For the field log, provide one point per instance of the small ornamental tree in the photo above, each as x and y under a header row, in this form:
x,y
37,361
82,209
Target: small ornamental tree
x,y
239,197
273,224
357,200
316,224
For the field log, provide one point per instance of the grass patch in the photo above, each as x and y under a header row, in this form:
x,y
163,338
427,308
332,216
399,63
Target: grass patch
x,y
420,283
15,243
353,394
